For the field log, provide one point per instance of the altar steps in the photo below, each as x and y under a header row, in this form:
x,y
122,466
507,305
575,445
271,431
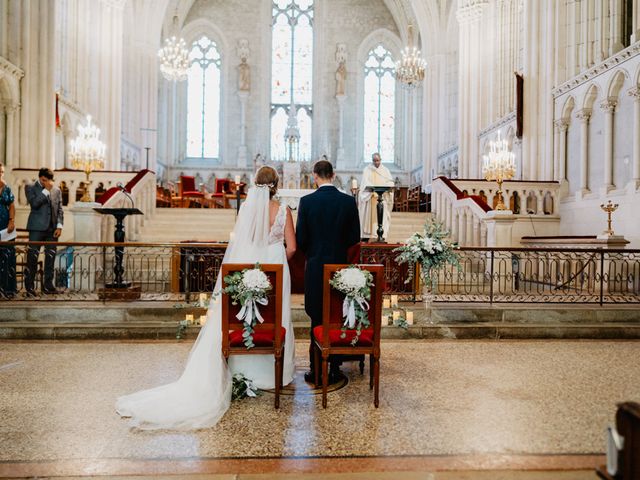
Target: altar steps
x,y
210,225
68,320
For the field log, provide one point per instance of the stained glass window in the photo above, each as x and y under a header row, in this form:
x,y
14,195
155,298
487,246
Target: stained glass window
x,y
379,104
203,100
291,74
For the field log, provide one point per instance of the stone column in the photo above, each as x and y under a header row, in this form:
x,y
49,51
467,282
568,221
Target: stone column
x,y
609,107
469,233
455,234
635,93
462,228
560,167
477,232
340,159
9,159
584,115
616,26
469,15
242,149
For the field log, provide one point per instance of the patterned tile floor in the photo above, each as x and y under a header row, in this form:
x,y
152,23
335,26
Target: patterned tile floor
x,y
445,405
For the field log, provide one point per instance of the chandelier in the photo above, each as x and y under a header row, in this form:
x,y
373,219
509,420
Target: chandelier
x,y
410,68
499,165
174,59
86,152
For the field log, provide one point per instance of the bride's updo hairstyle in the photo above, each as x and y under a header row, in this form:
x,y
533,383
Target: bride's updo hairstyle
x,y
267,177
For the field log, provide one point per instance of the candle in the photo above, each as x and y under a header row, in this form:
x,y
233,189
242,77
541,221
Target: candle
x,y
354,183
203,319
394,301
237,179
386,303
396,315
189,318
409,317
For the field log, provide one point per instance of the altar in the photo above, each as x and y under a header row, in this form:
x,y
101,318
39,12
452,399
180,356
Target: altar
x,y
291,196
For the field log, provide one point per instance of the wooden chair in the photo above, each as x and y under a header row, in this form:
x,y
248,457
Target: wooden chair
x,y
221,190
327,339
400,202
268,336
628,426
188,191
413,199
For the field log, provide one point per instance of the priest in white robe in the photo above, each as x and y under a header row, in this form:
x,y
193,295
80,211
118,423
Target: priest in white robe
x,y
375,175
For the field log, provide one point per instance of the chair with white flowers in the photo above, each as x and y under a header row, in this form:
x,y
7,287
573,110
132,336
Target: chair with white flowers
x,y
338,335
268,336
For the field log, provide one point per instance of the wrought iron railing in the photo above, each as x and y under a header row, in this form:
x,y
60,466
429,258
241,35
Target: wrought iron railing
x,y
541,275
180,271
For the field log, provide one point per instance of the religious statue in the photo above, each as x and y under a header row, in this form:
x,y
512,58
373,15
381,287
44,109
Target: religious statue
x,y
375,175
341,77
244,76
244,71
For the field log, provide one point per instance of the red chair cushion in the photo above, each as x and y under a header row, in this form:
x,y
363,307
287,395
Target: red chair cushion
x,y
261,338
188,183
365,340
223,185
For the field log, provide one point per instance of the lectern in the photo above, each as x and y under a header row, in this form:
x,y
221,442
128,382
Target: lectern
x,y
119,289
379,190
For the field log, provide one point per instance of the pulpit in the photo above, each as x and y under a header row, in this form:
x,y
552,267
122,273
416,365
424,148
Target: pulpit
x,y
119,289
379,190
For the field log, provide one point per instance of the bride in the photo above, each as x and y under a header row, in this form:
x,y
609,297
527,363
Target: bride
x,y
202,394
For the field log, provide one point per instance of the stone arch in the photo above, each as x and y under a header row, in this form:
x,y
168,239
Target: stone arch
x,y
567,109
616,83
590,97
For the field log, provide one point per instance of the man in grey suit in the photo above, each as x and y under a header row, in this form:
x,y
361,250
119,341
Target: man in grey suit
x,y
44,225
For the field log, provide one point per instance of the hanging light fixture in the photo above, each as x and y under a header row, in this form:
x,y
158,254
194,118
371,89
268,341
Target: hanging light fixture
x,y
410,68
86,152
174,57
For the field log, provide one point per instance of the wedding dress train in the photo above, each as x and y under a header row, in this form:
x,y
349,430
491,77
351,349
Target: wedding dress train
x,y
202,394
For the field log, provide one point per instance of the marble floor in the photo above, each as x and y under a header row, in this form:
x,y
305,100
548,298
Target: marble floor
x,y
445,406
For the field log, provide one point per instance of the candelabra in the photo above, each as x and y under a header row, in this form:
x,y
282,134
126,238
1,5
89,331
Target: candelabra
x,y
609,208
410,68
498,166
86,153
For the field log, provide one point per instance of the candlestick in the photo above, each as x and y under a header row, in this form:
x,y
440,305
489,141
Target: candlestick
x,y
386,303
237,179
189,318
409,317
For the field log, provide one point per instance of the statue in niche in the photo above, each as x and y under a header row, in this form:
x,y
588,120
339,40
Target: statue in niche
x,y
341,78
244,76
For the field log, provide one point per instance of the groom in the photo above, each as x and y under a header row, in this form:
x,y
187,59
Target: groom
x,y
328,224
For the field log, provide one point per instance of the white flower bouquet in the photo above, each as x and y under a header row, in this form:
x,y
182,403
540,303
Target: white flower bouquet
x,y
431,249
355,283
248,288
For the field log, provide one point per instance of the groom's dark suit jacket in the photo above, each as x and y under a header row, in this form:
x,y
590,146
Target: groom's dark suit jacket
x,y
328,224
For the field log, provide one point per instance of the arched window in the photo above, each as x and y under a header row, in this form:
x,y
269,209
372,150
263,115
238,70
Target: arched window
x,y
379,104
203,100
291,75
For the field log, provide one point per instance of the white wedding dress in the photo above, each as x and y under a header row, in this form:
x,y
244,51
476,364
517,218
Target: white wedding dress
x,y
202,394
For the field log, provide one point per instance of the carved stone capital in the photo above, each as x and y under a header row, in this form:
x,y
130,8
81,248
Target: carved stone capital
x,y
635,93
584,115
470,11
562,125
609,105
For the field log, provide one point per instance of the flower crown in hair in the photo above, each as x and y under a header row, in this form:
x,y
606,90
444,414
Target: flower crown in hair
x,y
265,185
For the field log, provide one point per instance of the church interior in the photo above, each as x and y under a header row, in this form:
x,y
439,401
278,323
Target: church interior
x,y
492,148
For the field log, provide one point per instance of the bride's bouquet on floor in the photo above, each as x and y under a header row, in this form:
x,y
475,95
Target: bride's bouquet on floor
x,y
431,249
355,283
249,288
